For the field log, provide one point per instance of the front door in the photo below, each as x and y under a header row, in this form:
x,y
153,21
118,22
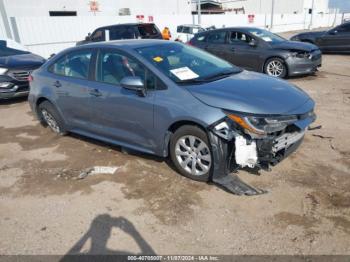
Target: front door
x,y
118,113
240,53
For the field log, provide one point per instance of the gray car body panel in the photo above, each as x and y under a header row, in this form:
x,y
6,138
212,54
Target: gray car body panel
x,y
331,41
120,116
253,93
253,58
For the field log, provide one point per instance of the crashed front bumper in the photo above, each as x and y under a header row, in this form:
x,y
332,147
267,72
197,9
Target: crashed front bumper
x,y
234,149
303,66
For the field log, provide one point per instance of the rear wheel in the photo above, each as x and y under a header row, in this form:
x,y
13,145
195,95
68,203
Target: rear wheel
x,y
275,67
191,154
51,118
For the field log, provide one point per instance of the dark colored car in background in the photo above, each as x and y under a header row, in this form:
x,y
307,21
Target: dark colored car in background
x,y
123,31
15,68
260,50
335,40
164,97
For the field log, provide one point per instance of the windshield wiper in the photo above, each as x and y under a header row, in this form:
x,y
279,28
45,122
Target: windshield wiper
x,y
209,78
221,75
192,81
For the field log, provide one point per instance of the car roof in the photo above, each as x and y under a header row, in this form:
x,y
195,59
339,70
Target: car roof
x,y
190,25
127,43
125,24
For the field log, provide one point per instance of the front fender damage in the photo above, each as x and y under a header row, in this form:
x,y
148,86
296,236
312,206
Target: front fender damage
x,y
223,151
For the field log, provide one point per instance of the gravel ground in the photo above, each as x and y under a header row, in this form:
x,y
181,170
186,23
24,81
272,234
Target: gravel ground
x,y
145,207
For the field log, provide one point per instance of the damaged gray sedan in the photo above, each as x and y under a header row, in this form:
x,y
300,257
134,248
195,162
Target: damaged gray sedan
x,y
170,99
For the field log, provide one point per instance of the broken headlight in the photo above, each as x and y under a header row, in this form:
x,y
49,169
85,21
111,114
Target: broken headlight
x,y
301,54
261,126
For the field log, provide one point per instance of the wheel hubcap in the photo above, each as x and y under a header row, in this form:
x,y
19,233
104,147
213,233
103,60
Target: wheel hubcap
x,y
193,155
275,68
50,120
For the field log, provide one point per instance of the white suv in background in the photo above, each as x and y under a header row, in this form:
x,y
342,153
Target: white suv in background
x,y
186,32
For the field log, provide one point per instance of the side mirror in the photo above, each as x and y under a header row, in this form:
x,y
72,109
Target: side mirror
x,y
134,83
253,43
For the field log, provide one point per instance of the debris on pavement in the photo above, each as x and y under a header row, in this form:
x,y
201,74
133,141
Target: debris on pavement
x,y
314,127
98,170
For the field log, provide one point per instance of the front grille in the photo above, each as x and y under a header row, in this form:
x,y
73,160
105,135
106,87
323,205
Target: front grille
x,y
19,75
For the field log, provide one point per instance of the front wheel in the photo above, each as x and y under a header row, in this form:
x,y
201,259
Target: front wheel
x,y
275,67
191,154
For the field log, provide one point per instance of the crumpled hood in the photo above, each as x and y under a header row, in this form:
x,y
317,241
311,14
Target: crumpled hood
x,y
22,61
294,45
254,93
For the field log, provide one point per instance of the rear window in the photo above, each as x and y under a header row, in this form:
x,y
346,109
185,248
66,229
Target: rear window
x,y
148,30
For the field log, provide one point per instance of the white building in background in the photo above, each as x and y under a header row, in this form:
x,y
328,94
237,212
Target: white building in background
x,y
264,6
280,6
20,8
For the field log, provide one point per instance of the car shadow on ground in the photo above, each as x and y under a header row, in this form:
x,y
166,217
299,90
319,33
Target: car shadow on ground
x,y
98,235
127,151
11,101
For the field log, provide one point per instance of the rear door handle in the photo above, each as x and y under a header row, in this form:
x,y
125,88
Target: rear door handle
x,y
95,92
57,84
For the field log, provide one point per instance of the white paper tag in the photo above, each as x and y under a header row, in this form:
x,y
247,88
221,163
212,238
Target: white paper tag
x,y
184,73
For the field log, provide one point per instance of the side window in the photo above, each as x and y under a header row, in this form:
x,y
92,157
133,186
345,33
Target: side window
x,y
179,29
98,35
115,33
217,37
58,67
112,67
186,30
239,38
75,64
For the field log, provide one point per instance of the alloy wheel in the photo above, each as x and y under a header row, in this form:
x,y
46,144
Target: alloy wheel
x,y
275,68
193,155
50,120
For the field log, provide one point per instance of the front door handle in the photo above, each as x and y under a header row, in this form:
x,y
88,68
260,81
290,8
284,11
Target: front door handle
x,y
57,84
233,49
95,92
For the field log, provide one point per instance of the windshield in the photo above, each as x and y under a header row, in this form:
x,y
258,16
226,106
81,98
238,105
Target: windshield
x,y
186,64
266,35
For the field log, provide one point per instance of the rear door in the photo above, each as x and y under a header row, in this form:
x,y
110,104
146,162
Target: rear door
x,y
70,83
336,40
118,113
216,43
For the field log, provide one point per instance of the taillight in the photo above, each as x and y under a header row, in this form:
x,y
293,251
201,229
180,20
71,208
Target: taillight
x,y
30,78
189,43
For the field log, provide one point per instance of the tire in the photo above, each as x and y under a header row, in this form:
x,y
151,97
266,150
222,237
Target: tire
x,y
275,67
190,145
51,118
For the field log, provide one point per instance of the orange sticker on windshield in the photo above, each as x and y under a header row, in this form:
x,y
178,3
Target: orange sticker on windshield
x,y
158,59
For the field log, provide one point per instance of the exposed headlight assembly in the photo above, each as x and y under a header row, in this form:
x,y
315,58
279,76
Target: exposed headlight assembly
x,y
261,126
3,70
302,54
